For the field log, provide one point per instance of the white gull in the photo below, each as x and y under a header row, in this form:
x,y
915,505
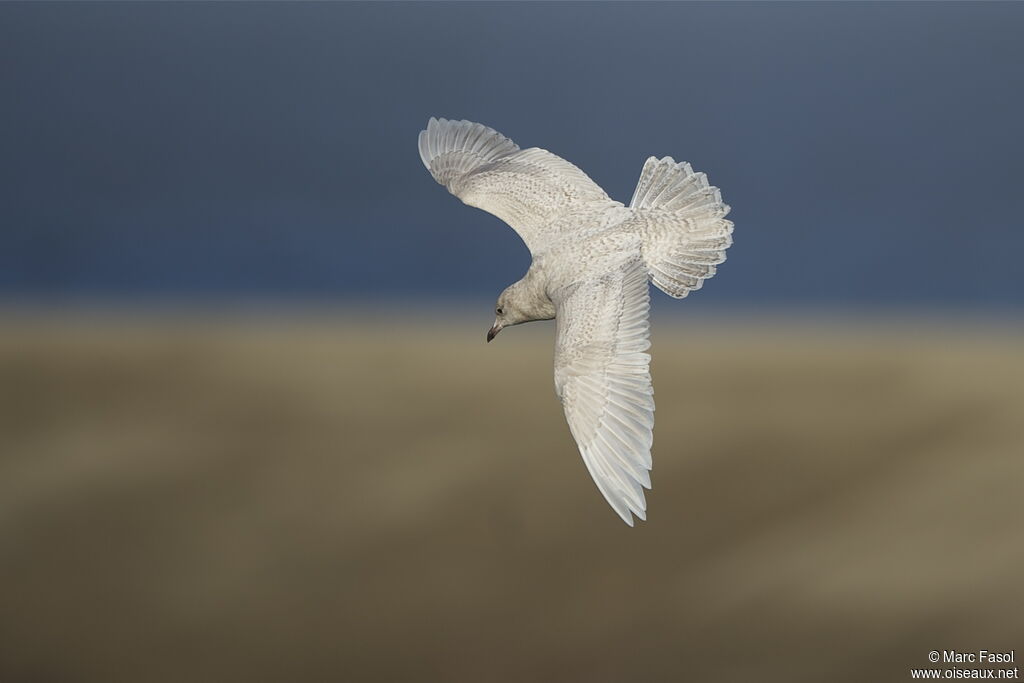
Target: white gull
x,y
592,259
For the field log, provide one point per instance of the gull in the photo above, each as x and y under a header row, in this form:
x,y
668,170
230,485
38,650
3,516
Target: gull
x,y
592,258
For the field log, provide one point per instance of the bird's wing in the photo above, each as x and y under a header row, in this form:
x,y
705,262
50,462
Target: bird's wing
x,y
530,189
603,379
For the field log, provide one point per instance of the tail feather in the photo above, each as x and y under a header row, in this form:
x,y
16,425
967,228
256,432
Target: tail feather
x,y
686,233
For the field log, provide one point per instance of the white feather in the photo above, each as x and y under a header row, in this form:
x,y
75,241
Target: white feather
x,y
602,377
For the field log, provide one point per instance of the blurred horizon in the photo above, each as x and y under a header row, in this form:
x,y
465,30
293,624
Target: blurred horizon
x,y
250,429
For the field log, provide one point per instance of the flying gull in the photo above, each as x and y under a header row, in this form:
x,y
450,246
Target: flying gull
x,y
592,259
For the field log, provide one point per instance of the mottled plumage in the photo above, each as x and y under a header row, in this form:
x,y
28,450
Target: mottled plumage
x,y
592,260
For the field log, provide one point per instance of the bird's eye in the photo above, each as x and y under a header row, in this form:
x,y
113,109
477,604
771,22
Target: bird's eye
x,y
498,310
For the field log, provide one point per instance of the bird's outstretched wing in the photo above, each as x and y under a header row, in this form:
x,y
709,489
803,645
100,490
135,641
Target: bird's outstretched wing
x,y
530,189
603,379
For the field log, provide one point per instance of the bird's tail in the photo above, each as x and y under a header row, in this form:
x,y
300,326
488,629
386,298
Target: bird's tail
x,y
685,231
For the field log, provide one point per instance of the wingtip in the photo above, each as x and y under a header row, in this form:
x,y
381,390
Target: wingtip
x,y
631,519
424,148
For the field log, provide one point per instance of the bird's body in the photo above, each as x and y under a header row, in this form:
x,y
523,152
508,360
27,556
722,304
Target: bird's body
x,y
592,260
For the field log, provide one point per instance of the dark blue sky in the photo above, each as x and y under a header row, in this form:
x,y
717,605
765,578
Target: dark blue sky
x,y
872,153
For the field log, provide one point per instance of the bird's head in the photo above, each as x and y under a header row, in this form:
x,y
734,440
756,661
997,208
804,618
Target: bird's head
x,y
507,311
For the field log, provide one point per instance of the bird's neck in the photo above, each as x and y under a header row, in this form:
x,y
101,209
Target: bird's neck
x,y
531,295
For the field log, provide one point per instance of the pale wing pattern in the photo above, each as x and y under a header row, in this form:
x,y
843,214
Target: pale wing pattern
x,y
530,189
603,379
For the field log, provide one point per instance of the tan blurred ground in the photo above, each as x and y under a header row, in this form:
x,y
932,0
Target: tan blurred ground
x,y
306,500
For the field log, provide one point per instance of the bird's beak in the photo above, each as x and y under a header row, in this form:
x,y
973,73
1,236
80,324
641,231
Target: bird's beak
x,y
493,332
